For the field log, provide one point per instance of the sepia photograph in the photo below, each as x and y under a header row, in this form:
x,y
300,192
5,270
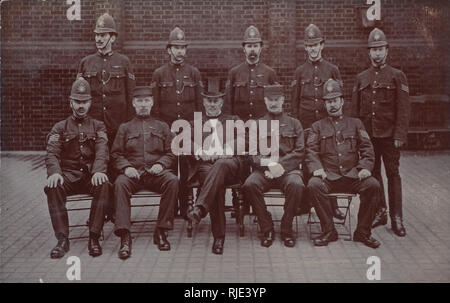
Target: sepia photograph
x,y
225,147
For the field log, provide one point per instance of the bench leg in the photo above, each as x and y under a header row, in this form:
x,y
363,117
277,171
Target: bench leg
x,y
190,207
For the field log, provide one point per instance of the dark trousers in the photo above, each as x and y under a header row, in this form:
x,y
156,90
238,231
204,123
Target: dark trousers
x,y
214,177
368,189
165,183
182,204
56,199
390,155
291,184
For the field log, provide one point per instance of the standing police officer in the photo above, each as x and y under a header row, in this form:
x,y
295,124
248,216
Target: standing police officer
x,y
307,103
381,101
245,84
111,78
76,161
176,90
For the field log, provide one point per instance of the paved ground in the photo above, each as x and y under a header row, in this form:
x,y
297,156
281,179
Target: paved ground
x,y
422,256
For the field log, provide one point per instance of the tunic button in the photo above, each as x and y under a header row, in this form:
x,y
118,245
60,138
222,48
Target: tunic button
x,y
373,102
81,169
315,67
338,131
317,111
104,96
373,114
81,146
179,115
251,92
104,60
178,80
79,124
178,92
178,103
374,92
316,100
104,108
340,155
250,115
251,70
251,103
316,88
340,166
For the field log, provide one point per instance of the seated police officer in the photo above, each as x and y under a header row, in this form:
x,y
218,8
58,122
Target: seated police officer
x,y
283,173
142,155
340,156
76,161
215,166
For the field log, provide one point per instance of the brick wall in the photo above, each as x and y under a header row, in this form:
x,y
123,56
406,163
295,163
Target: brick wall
x,y
40,48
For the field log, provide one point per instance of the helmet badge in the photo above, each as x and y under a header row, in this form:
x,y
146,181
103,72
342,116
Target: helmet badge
x,y
377,36
311,34
252,33
330,88
180,36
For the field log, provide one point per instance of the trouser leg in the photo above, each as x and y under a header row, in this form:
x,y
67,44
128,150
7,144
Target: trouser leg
x,y
253,189
378,149
99,206
56,200
318,190
369,192
217,215
182,204
124,188
391,160
292,187
167,184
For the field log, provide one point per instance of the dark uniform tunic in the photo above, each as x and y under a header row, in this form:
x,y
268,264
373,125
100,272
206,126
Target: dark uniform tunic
x,y
215,176
341,147
307,103
176,92
112,80
245,90
77,149
291,154
381,101
141,143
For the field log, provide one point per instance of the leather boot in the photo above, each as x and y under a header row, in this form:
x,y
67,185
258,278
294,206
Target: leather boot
x,y
125,245
60,249
94,247
380,218
160,239
397,226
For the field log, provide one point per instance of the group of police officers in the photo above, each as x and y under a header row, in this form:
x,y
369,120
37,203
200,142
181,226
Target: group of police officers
x,y
118,141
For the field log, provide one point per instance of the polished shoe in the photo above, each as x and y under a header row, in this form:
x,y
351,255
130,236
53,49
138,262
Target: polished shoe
x,y
326,238
268,238
368,241
288,240
338,214
125,246
60,249
397,226
160,239
217,247
94,247
380,218
195,214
